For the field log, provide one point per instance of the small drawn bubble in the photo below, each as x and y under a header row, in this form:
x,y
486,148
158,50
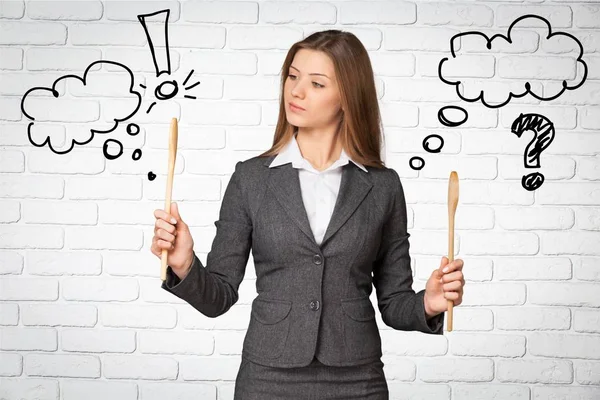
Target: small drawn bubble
x,y
417,163
151,176
137,154
112,153
166,90
450,120
430,146
133,129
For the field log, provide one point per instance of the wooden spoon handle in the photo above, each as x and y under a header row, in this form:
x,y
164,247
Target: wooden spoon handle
x,y
172,156
450,258
452,205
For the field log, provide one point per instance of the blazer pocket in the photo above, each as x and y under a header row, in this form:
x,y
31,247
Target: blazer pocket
x,y
361,333
269,327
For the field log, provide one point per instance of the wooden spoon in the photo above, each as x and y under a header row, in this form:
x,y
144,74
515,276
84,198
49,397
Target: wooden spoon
x,y
452,204
172,157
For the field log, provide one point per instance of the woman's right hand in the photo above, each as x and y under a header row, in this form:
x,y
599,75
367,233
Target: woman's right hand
x,y
175,238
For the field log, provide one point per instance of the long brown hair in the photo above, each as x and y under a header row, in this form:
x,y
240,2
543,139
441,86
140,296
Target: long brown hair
x,y
360,130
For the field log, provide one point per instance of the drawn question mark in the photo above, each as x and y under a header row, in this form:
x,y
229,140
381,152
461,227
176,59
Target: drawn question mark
x,y
543,130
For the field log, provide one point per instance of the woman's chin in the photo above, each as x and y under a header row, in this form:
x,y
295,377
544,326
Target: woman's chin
x,y
297,122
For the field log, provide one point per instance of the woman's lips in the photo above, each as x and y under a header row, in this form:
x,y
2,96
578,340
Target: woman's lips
x,y
295,108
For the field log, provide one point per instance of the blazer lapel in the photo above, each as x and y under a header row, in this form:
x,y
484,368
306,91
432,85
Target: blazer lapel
x,y
284,182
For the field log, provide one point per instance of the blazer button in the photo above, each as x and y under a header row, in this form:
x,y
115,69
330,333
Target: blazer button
x,y
317,259
315,305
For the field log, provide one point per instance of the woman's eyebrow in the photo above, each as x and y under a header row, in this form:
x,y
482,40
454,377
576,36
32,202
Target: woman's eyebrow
x,y
314,73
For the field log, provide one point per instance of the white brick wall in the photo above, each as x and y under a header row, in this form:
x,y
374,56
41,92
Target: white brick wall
x,y
82,314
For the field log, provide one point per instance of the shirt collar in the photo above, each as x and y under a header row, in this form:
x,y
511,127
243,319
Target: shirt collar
x,y
291,153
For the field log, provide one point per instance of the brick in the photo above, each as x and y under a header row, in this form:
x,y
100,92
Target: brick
x,y
32,33
576,294
98,188
492,345
262,37
61,59
437,13
557,16
62,365
9,314
314,12
230,12
564,345
535,371
90,10
169,342
10,59
98,340
380,12
32,237
11,364
64,213
99,389
454,369
140,367
82,315
20,388
137,316
525,318
419,38
99,289
103,34
28,289
28,339
14,9
129,10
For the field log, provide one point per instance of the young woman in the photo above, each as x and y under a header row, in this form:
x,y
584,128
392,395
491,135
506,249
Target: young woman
x,y
326,221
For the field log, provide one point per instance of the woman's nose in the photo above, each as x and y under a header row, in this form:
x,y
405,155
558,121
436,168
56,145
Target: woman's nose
x,y
298,90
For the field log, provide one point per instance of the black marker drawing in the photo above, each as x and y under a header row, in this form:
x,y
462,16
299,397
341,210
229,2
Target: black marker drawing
x,y
113,148
543,131
417,163
84,80
443,117
132,130
579,80
540,125
169,88
163,17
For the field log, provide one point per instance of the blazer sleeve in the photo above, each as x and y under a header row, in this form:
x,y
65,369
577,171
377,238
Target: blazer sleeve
x,y
401,308
213,289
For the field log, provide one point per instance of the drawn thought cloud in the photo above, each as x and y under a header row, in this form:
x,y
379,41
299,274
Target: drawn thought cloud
x,y
57,108
491,64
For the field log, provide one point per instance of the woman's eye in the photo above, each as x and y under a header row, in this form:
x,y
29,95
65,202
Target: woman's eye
x,y
293,77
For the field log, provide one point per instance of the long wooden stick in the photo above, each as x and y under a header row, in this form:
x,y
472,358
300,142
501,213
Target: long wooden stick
x,y
172,157
452,204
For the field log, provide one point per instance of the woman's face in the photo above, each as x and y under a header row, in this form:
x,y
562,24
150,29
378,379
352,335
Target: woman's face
x,y
312,85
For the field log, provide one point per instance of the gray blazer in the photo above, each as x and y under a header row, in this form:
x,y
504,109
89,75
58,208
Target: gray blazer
x,y
312,299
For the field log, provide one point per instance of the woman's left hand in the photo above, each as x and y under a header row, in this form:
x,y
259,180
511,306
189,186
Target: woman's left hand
x,y
443,286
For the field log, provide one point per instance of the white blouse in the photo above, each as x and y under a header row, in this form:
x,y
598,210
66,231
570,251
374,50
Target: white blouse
x,y
319,188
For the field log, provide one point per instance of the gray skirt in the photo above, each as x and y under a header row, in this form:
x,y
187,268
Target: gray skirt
x,y
314,382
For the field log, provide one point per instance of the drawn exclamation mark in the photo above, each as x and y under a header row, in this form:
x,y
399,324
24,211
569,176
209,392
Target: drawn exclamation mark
x,y
162,64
